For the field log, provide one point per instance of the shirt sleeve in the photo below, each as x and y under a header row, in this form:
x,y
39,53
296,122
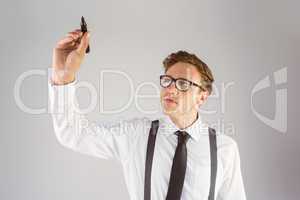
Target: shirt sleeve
x,y
73,129
232,186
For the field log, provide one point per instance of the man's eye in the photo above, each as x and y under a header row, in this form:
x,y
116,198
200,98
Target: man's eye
x,y
167,80
183,84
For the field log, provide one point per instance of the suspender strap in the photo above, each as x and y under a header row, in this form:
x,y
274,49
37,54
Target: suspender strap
x,y
213,162
149,159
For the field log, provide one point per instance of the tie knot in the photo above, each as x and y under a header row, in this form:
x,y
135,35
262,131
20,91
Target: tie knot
x,y
182,136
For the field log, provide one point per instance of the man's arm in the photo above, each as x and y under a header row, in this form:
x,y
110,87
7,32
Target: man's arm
x,y
75,131
72,128
232,187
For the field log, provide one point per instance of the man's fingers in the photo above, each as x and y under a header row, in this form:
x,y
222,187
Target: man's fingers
x,y
76,30
84,42
74,40
71,38
74,35
65,42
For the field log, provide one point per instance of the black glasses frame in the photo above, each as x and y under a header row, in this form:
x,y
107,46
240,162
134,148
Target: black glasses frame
x,y
176,79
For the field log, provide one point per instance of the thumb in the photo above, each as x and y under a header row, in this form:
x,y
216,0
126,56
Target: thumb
x,y
84,42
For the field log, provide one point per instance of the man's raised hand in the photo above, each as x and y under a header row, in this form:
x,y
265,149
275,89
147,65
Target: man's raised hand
x,y
68,55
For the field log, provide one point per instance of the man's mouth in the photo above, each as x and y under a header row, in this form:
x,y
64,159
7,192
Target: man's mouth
x,y
169,100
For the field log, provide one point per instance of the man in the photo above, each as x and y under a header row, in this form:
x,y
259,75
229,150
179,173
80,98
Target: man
x,y
181,165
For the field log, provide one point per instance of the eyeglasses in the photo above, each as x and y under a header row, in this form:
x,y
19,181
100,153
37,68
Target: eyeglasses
x,y
181,84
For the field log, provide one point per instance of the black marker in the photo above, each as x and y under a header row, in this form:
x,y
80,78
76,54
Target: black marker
x,y
83,26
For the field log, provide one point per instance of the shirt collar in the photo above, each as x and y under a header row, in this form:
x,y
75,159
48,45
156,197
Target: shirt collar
x,y
195,130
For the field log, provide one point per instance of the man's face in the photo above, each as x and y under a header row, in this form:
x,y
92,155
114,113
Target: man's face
x,y
175,102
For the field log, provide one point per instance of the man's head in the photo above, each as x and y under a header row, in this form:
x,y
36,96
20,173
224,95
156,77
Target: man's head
x,y
194,83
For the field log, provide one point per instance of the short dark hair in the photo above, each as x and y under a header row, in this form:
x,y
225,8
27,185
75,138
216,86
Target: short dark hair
x,y
185,57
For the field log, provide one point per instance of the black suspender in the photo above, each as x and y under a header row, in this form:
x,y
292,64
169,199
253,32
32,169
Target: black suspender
x,y
149,159
213,162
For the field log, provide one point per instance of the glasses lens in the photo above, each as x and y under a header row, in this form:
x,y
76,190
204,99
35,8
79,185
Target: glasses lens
x,y
165,81
182,85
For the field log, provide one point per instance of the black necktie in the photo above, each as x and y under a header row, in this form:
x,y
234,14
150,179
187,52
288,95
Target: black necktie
x,y
178,167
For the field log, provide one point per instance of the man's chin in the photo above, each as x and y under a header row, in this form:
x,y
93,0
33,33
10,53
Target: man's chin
x,y
170,110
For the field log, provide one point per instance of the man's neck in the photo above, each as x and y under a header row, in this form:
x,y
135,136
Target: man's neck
x,y
185,120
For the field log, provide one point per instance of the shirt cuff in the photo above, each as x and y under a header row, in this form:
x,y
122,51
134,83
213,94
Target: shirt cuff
x,y
60,96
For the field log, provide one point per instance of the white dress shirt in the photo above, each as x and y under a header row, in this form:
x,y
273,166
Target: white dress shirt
x,y
126,142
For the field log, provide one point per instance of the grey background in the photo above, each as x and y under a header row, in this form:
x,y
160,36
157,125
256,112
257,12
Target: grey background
x,y
242,41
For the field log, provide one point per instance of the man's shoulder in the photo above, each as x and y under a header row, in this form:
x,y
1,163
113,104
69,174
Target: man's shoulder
x,y
226,144
224,140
